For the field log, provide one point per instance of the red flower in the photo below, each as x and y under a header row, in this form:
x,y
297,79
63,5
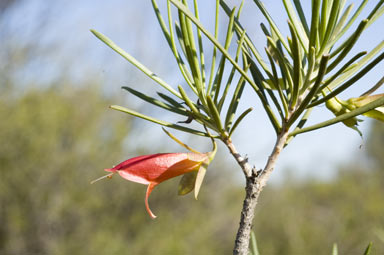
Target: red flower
x,y
153,169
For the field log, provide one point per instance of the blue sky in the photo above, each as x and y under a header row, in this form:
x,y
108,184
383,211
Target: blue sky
x,y
133,26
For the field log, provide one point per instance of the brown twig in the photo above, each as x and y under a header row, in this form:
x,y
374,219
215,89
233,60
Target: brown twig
x,y
242,161
255,182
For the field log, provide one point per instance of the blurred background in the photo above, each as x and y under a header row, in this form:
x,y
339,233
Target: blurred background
x,y
57,134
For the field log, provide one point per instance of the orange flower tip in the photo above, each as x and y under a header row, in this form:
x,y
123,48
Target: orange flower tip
x,y
149,190
150,212
108,176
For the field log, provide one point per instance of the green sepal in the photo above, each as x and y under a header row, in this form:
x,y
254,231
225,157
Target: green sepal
x,y
337,107
203,168
200,177
187,183
377,113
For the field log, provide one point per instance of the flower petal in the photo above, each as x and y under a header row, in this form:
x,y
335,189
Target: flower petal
x,y
177,169
377,113
158,167
149,190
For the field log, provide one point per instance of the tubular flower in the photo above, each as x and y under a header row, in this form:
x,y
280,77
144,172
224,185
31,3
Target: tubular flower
x,y
154,169
338,107
377,113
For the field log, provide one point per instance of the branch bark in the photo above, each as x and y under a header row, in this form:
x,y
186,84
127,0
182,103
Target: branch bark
x,y
255,182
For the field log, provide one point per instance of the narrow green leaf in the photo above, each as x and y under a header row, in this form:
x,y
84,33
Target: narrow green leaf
x,y
193,51
297,24
170,100
346,27
229,33
216,89
324,18
350,71
218,78
276,85
257,75
297,79
279,86
368,249
350,82
248,41
275,39
342,69
272,24
283,64
190,49
300,12
374,11
232,108
183,68
174,138
254,249
200,43
180,38
215,114
156,102
192,106
232,73
374,88
343,19
160,122
301,124
136,63
314,24
210,83
377,14
161,21
237,122
240,9
331,24
310,70
169,35
225,92
312,92
255,52
351,42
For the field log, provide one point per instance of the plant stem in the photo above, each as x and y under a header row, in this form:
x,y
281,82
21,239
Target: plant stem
x,y
243,162
255,182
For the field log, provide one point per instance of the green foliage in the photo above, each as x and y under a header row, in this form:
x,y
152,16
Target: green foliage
x,y
51,149
305,69
54,142
209,95
307,58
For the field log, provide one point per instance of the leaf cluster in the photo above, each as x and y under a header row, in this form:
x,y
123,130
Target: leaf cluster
x,y
310,67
